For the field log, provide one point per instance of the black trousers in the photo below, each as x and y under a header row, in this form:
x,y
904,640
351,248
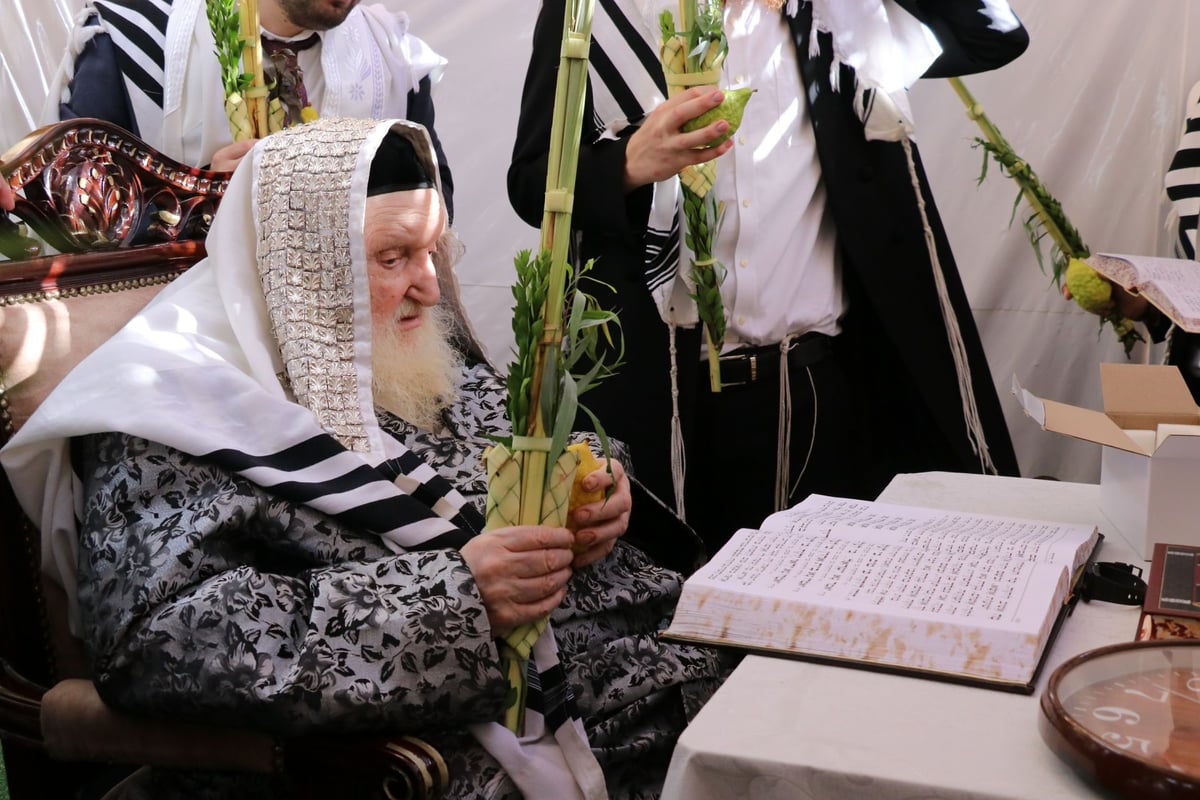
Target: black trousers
x,y
731,451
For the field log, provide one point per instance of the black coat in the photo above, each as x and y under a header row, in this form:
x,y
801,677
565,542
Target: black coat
x,y
894,336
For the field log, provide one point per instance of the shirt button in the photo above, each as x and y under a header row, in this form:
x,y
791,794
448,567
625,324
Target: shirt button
x,y
741,320
746,203
739,79
741,140
744,262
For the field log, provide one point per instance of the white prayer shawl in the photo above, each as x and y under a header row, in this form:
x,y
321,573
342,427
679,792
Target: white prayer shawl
x,y
200,371
369,64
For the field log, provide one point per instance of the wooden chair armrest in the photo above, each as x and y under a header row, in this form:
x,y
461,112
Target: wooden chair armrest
x,y
78,726
71,723
20,708
407,766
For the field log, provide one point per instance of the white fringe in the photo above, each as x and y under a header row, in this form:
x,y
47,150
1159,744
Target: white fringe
x,y
957,348
783,443
812,434
678,459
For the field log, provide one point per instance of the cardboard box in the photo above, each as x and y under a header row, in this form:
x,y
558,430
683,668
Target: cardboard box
x,y
1150,464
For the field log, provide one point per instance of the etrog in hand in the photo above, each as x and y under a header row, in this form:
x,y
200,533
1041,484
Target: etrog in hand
x,y
730,110
1089,288
588,463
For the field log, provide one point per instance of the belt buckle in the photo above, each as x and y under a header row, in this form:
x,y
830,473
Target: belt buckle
x,y
751,357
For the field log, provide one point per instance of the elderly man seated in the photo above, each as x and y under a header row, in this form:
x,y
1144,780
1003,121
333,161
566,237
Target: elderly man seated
x,y
264,497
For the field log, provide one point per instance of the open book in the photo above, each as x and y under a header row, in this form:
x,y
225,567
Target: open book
x,y
949,594
1172,285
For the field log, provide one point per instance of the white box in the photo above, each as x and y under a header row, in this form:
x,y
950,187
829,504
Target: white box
x,y
1150,465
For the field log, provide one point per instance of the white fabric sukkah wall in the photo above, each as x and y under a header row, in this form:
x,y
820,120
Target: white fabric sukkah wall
x,y
1095,105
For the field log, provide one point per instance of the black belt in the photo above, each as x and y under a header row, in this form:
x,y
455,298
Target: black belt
x,y
752,364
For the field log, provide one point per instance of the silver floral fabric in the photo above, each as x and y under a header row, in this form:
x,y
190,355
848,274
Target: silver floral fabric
x,y
204,597
305,266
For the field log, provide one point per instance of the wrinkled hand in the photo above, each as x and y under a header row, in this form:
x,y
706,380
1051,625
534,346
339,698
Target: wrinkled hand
x,y
228,157
659,148
600,524
521,572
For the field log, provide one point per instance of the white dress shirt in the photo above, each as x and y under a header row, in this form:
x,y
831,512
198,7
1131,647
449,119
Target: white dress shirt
x,y
777,241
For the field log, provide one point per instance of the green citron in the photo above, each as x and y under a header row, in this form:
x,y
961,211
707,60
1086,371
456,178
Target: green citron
x,y
730,110
1091,291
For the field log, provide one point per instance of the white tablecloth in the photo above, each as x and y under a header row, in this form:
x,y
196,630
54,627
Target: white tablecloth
x,y
783,729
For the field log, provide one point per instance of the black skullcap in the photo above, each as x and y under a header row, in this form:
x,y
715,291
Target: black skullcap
x,y
397,168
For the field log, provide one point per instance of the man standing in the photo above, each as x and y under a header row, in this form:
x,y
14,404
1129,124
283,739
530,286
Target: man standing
x,y
851,354
277,466
150,67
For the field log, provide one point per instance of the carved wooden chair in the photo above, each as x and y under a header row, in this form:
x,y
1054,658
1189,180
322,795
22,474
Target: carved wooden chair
x,y
125,221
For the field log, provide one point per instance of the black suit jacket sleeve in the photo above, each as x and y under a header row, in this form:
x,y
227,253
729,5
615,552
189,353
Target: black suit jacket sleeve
x,y
972,34
601,204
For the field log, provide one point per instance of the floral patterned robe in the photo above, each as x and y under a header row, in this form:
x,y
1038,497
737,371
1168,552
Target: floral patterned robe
x,y
204,597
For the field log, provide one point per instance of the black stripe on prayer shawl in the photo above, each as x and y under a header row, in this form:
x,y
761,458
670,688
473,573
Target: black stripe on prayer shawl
x,y
131,26
1187,222
389,513
433,488
662,254
1184,191
611,78
1185,158
141,38
377,515
640,47
151,11
550,695
298,456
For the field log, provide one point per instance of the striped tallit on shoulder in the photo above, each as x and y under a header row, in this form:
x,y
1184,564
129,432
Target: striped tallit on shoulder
x,y
320,472
627,83
1182,179
138,29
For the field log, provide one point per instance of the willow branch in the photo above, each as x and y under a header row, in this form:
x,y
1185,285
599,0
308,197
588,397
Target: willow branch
x,y
1019,172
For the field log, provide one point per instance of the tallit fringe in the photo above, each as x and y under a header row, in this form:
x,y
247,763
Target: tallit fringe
x,y
958,349
78,38
678,458
812,434
783,444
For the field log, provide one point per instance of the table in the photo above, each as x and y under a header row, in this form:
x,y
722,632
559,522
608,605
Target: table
x,y
784,729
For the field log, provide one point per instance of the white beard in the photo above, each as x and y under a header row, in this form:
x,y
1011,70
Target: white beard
x,y
415,373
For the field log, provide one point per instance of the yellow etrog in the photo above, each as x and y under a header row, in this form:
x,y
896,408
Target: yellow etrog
x,y
1089,288
730,110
